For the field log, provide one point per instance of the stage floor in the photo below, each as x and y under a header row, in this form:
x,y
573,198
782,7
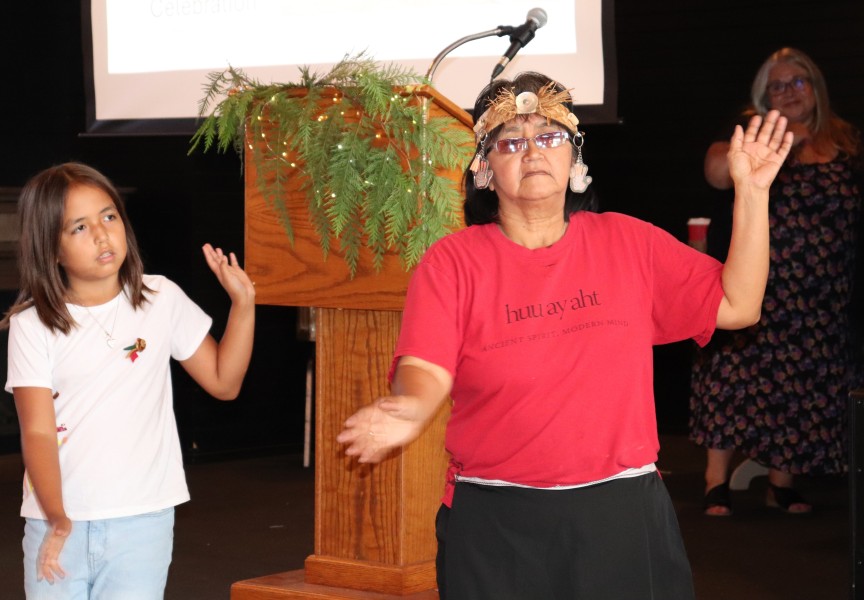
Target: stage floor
x,y
254,516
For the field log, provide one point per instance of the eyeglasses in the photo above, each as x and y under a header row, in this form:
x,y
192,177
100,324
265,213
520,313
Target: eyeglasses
x,y
553,139
775,88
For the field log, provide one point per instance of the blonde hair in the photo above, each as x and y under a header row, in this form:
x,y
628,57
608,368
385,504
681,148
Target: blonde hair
x,y
830,133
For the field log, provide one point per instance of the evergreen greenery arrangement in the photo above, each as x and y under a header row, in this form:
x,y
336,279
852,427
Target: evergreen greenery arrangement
x,y
360,137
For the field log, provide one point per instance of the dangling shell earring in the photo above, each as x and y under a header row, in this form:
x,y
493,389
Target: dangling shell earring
x,y
579,178
480,167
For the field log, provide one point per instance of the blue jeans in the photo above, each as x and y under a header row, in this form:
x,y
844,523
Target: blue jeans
x,y
125,558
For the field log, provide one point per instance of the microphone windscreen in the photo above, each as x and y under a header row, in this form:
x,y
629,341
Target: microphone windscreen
x,y
537,15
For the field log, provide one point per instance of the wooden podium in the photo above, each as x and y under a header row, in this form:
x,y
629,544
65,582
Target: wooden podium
x,y
374,524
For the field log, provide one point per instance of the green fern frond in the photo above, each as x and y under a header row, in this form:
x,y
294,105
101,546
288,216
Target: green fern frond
x,y
369,162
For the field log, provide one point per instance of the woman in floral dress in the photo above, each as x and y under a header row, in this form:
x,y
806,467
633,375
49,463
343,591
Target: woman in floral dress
x,y
777,392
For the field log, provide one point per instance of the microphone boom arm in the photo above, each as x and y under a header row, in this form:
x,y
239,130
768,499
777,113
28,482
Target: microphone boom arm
x,y
499,31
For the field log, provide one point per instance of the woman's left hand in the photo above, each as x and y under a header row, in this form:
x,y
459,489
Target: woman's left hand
x,y
230,275
757,153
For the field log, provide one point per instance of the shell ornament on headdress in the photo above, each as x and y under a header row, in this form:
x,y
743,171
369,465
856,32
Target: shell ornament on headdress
x,y
506,106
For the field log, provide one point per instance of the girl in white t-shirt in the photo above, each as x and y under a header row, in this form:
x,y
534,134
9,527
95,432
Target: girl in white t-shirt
x,y
90,342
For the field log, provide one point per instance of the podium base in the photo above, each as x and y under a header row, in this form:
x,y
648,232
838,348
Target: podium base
x,y
291,585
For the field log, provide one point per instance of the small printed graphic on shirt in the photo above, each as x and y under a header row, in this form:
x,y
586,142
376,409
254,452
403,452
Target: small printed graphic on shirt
x,y
133,351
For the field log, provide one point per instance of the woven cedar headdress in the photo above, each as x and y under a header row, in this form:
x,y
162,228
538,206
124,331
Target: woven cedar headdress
x,y
547,102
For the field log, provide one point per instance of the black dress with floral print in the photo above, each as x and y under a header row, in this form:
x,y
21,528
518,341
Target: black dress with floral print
x,y
777,391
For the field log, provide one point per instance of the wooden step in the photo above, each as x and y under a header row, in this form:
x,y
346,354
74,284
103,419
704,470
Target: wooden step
x,y
291,585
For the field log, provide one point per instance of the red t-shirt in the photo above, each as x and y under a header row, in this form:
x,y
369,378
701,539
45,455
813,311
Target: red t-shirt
x,y
551,349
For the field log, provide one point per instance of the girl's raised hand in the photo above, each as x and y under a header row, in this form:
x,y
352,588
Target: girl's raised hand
x,y
230,275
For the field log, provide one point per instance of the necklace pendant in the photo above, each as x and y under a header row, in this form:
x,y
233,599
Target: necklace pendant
x,y
110,341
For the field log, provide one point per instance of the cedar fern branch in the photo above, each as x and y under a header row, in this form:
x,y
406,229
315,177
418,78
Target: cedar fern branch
x,y
367,156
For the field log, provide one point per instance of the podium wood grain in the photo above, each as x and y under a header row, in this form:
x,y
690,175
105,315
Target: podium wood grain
x,y
291,585
298,274
374,524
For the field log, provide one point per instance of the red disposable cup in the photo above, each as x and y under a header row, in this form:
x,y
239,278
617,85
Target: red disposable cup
x,y
697,229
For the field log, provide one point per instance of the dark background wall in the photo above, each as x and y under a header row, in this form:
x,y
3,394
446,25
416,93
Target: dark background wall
x,y
684,68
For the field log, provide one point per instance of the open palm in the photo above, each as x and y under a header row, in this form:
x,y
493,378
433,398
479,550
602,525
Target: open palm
x,y
374,430
757,153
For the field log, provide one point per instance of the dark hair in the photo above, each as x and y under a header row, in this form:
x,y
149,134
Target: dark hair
x,y
481,206
43,282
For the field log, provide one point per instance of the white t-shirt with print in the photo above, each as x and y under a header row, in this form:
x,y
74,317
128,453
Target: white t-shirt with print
x,y
118,444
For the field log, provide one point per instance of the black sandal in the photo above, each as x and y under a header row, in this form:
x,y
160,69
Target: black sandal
x,y
785,498
718,497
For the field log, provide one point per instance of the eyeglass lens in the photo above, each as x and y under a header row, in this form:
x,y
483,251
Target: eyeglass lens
x,y
553,139
778,87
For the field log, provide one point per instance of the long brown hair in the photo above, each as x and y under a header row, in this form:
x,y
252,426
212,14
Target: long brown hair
x,y
43,282
830,133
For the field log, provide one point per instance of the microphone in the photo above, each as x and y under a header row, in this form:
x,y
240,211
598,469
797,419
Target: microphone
x,y
520,36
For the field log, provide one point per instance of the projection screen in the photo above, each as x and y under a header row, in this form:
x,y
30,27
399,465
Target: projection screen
x,y
147,61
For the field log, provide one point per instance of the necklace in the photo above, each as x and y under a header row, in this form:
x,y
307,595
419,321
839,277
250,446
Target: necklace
x,y
109,335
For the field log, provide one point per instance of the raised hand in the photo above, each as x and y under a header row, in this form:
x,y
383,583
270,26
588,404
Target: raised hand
x,y
229,273
757,153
